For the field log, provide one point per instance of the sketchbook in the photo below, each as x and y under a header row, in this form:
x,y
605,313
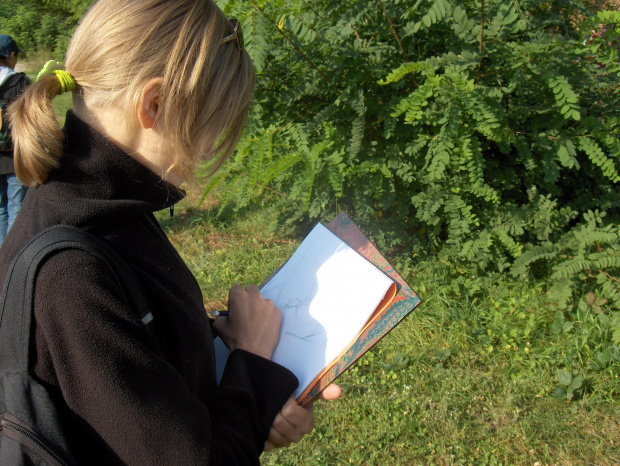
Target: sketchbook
x,y
338,297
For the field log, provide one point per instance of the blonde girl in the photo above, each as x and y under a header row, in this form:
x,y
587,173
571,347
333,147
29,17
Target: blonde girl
x,y
158,87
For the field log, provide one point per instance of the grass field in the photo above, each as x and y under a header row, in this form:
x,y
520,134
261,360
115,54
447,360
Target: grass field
x,y
460,381
463,380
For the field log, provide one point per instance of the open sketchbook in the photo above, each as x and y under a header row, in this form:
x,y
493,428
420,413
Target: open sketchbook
x,y
338,297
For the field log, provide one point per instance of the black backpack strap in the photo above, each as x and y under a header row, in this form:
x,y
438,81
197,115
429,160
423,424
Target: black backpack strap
x,y
17,296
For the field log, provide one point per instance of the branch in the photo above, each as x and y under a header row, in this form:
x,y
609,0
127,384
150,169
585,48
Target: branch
x,y
481,24
565,26
239,172
312,9
481,39
305,57
400,45
609,276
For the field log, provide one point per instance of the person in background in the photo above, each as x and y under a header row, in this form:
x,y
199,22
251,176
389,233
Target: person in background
x,y
12,84
158,86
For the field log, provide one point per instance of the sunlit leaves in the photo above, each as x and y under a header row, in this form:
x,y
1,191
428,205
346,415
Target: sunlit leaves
x,y
565,97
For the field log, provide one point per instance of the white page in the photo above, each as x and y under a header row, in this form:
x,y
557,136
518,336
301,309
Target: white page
x,y
326,292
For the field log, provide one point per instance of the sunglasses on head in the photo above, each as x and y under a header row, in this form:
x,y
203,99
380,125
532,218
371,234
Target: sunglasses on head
x,y
236,35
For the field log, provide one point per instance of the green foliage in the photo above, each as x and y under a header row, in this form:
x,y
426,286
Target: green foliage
x,y
494,140
42,25
568,385
484,133
604,46
615,327
565,98
584,260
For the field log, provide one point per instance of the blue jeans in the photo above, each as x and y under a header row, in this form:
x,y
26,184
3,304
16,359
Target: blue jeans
x,y
12,194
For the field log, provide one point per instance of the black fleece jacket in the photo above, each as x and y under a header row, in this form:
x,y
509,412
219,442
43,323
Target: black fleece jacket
x,y
127,394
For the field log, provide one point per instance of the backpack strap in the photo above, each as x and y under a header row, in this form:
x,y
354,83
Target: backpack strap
x,y
17,296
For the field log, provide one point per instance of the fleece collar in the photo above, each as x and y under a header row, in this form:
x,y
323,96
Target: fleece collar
x,y
96,179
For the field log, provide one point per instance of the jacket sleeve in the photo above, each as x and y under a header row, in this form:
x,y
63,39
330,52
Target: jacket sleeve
x,y
126,403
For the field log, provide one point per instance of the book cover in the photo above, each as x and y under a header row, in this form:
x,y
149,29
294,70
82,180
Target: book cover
x,y
403,303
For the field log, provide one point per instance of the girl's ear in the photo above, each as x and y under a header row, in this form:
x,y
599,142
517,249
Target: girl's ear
x,y
148,103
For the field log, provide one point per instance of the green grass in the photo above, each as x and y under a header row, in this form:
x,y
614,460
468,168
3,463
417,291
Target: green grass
x,y
463,380
62,103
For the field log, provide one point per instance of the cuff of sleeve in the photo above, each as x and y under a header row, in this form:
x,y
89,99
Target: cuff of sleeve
x,y
271,384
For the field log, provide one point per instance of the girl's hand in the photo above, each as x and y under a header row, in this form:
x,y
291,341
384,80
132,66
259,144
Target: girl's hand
x,y
294,421
253,322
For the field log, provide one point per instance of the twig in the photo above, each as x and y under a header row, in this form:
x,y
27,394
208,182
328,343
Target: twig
x,y
565,25
481,40
305,57
400,45
258,184
609,276
312,9
481,24
272,70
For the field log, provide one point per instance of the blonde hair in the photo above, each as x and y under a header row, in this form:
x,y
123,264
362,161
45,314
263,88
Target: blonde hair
x,y
118,47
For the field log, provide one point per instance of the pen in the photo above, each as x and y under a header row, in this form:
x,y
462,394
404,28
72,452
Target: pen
x,y
219,313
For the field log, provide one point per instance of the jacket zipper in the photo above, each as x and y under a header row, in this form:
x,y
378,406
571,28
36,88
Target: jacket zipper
x,y
5,424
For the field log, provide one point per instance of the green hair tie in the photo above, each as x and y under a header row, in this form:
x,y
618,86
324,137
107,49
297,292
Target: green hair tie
x,y
67,83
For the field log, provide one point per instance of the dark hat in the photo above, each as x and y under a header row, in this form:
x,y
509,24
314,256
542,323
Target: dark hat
x,y
8,45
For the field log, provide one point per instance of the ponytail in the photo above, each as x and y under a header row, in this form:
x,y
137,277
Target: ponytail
x,y
37,137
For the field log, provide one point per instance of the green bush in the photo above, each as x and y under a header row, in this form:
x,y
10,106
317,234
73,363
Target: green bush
x,y
496,139
482,134
42,26
492,139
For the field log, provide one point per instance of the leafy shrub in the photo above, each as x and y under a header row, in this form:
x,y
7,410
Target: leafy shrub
x,y
42,25
497,137
485,134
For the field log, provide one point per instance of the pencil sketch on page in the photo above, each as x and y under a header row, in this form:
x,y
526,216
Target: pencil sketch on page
x,y
326,292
